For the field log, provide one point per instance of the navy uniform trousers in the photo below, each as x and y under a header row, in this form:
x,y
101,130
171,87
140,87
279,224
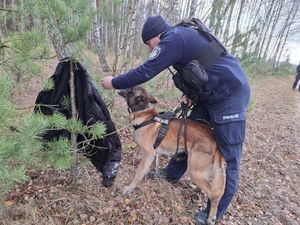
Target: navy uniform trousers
x,y
227,118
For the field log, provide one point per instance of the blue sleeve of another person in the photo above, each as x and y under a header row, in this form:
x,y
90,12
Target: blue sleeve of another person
x,y
169,51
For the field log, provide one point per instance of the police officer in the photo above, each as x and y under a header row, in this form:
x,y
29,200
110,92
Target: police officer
x,y
222,99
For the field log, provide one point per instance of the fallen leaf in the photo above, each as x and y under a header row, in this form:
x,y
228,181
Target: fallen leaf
x,y
9,203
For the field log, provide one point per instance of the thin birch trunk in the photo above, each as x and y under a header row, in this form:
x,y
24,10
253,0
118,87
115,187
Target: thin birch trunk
x,y
270,20
119,33
275,22
1,38
97,34
228,23
260,36
193,8
237,28
4,25
13,19
73,135
277,48
61,47
254,25
151,9
2,46
293,13
131,34
214,10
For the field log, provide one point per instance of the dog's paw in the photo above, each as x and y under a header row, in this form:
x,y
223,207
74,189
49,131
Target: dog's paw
x,y
128,189
211,221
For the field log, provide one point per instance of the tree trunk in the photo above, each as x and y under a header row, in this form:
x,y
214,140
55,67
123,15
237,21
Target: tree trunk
x,y
120,31
264,25
97,39
228,22
73,135
61,47
193,8
290,21
151,8
214,12
131,32
279,41
270,20
3,25
237,28
275,22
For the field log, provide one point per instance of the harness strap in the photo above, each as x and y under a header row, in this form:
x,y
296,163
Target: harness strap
x,y
183,123
145,123
164,119
161,134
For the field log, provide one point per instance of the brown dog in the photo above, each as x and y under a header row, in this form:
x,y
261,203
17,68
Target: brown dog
x,y
206,165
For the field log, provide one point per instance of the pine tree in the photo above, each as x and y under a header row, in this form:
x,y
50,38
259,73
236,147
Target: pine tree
x,y
67,23
21,143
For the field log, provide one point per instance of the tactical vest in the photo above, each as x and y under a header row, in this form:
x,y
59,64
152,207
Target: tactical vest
x,y
193,76
213,50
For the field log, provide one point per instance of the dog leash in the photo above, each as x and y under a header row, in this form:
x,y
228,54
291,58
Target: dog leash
x,y
184,110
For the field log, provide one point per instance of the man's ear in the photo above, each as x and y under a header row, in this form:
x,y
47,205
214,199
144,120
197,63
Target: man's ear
x,y
122,93
152,99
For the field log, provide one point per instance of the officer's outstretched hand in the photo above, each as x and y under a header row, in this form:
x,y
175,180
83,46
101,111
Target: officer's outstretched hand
x,y
106,82
186,100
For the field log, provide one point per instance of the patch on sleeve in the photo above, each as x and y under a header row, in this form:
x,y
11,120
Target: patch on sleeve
x,y
155,53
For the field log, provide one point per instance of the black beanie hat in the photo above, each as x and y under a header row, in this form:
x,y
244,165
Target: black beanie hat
x,y
153,26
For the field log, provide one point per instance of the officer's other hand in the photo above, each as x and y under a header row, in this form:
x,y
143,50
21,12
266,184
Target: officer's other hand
x,y
106,82
186,100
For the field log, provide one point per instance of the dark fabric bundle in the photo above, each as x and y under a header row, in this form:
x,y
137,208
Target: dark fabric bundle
x,y
105,154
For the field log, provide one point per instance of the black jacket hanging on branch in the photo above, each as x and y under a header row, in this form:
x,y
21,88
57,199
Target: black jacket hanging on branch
x,y
105,154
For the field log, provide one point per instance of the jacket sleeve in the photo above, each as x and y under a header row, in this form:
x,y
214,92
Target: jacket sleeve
x,y
169,51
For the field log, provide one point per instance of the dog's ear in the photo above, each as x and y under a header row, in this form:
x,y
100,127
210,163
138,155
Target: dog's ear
x,y
122,93
152,99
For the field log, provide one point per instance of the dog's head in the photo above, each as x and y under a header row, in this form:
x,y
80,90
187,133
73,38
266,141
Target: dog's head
x,y
137,98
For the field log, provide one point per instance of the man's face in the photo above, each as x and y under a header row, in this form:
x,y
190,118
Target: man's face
x,y
153,42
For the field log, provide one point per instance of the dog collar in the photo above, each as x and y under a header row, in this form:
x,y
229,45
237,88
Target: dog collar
x,y
132,110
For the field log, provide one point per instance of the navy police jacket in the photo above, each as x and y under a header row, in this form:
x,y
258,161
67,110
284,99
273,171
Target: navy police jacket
x,y
178,46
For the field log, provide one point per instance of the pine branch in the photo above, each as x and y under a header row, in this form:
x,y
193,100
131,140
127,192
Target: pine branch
x,y
8,10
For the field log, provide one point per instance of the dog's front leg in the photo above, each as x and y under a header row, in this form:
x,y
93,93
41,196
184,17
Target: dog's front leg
x,y
143,168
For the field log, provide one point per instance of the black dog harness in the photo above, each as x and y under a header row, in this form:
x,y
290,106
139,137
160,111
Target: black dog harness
x,y
164,119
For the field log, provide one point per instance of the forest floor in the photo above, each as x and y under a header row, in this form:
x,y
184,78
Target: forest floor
x,y
269,183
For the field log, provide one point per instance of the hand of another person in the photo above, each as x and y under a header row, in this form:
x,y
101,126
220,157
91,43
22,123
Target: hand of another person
x,y
106,82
